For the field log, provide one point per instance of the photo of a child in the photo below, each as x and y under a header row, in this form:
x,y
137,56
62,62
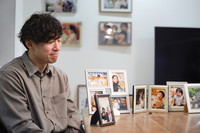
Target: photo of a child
x,y
139,99
177,97
118,82
99,79
158,98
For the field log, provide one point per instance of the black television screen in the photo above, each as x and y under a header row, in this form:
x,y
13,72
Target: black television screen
x,y
177,54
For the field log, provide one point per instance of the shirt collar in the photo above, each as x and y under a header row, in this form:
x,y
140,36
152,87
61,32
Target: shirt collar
x,y
31,68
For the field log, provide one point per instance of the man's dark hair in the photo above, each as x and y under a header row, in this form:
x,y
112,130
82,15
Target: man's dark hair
x,y
180,90
40,28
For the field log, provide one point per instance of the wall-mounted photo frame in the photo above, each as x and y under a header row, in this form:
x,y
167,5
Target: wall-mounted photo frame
x,y
115,6
115,33
158,98
139,98
91,98
97,78
176,96
121,103
82,98
104,108
192,92
71,34
118,81
61,6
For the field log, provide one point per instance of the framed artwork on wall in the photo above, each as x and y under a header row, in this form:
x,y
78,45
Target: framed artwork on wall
x,y
60,6
115,33
139,98
176,96
121,103
71,34
192,92
158,98
105,110
97,78
122,6
118,81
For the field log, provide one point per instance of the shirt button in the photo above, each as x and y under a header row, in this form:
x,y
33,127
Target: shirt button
x,y
47,112
44,96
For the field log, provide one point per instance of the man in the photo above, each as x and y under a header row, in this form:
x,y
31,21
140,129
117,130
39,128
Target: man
x,y
35,96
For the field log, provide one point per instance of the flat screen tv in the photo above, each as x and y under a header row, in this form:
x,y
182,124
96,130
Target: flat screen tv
x,y
177,54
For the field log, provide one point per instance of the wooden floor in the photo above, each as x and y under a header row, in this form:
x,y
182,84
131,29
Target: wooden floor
x,y
172,122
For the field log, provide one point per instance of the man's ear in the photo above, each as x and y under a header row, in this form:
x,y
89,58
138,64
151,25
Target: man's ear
x,y
29,44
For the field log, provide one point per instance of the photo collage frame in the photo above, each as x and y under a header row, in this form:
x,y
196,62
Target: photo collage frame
x,y
112,82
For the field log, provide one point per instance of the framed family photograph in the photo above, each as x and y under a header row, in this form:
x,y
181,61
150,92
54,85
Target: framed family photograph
x,y
60,6
192,92
91,98
158,98
123,6
118,80
97,78
176,96
104,108
82,98
115,33
139,98
71,34
121,103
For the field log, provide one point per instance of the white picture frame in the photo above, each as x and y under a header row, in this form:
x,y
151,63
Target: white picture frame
x,y
192,92
158,98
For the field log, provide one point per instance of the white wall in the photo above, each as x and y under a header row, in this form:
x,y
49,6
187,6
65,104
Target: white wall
x,y
137,59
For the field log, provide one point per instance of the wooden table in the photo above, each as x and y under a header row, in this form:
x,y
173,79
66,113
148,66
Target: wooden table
x,y
172,122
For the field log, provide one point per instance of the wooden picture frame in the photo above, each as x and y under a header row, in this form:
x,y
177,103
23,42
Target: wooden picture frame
x,y
158,98
118,82
121,103
139,98
177,97
115,6
98,78
62,6
192,92
105,110
71,34
82,98
115,33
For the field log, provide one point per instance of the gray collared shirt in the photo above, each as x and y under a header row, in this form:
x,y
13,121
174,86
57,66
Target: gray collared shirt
x,y
31,102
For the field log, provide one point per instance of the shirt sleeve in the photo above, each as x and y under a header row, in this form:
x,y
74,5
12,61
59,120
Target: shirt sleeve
x,y
14,113
72,110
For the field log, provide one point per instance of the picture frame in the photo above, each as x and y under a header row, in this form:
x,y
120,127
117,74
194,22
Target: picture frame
x,y
192,92
176,95
91,98
115,6
158,98
61,6
118,82
71,34
97,78
139,98
82,98
115,33
105,110
121,103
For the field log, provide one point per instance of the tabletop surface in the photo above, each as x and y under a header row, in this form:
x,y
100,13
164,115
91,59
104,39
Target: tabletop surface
x,y
171,122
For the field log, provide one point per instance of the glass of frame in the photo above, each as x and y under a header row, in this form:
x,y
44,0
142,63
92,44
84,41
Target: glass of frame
x,y
115,33
97,78
71,34
104,108
91,100
82,99
139,98
121,102
60,6
192,92
124,6
158,98
176,96
118,81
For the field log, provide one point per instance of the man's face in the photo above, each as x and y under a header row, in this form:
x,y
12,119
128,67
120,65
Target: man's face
x,y
45,53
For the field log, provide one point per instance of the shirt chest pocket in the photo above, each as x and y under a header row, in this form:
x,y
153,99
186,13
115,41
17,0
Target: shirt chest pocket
x,y
59,103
